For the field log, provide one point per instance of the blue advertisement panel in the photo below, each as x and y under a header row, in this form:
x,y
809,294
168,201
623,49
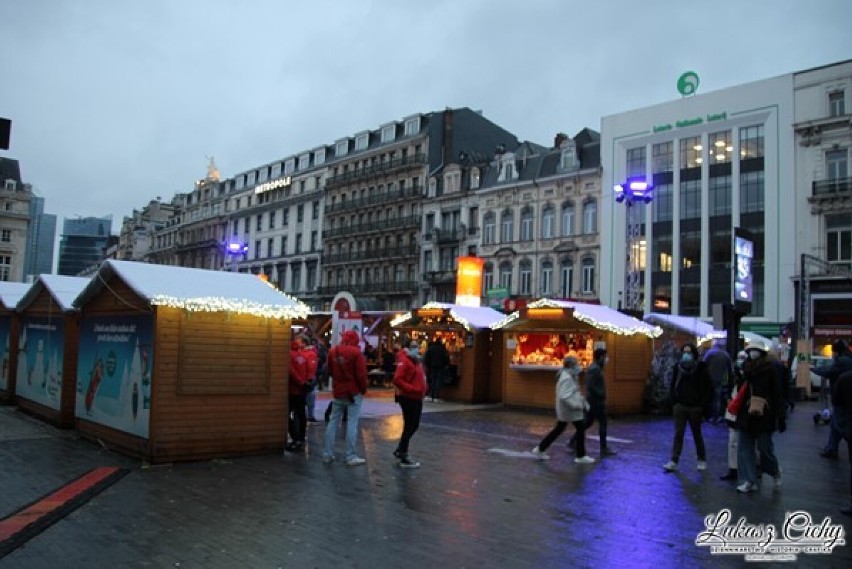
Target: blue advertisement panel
x,y
5,329
40,353
114,372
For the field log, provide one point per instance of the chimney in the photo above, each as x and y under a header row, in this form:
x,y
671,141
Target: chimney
x,y
559,139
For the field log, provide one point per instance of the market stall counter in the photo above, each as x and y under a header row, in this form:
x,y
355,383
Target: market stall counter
x,y
532,342
183,364
46,374
465,332
10,295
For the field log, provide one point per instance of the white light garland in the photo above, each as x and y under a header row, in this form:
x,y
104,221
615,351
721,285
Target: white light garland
x,y
240,306
402,318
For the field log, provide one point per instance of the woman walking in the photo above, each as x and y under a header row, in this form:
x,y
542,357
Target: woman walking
x,y
570,408
410,382
691,394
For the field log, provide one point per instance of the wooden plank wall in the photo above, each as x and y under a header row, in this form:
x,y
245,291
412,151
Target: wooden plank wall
x,y
219,386
472,386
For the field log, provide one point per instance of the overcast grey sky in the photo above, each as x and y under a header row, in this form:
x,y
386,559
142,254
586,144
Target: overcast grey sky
x,y
117,102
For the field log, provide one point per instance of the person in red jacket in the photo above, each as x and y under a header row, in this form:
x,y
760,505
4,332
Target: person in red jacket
x,y
348,370
410,382
297,422
312,357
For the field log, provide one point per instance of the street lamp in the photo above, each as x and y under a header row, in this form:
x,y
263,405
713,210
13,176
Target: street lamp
x,y
633,191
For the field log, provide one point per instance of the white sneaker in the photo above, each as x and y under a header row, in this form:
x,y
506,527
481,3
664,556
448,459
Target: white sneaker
x,y
702,465
540,454
584,460
670,466
355,461
746,487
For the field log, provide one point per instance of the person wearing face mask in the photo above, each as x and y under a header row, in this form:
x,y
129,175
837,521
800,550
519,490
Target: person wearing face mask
x,y
765,411
733,435
691,395
570,408
596,396
411,387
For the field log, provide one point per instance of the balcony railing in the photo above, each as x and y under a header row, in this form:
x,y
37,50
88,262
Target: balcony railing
x,y
403,287
384,198
439,277
380,169
371,255
381,225
833,187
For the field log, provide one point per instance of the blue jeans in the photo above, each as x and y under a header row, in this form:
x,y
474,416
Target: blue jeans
x,y
311,403
353,412
746,463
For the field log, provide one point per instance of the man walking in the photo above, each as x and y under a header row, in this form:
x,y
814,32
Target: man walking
x,y
348,370
596,396
436,360
841,363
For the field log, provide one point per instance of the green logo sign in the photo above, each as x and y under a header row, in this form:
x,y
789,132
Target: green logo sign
x,y
687,84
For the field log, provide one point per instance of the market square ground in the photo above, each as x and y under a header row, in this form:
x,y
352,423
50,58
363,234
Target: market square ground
x,y
477,501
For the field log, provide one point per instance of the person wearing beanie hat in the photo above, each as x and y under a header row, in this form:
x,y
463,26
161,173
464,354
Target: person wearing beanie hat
x,y
571,407
348,369
841,362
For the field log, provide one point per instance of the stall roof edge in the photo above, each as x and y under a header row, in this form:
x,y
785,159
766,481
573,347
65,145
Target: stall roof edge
x,y
12,293
61,287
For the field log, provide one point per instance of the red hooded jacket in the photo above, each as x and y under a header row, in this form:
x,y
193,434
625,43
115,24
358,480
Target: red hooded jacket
x,y
409,378
298,368
347,367
312,357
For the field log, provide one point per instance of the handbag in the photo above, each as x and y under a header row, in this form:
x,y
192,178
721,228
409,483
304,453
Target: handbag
x,y
757,406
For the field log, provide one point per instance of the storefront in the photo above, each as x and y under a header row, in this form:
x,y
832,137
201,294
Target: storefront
x,y
531,343
183,364
466,333
49,330
10,295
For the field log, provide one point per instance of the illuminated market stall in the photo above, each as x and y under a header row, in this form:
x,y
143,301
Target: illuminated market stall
x,y
183,364
10,295
533,341
46,374
465,331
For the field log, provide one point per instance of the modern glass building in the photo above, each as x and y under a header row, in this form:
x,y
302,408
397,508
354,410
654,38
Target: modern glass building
x,y
40,237
83,243
718,161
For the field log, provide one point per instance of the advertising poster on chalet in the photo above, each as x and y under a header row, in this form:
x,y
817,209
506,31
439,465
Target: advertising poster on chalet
x,y
114,372
40,353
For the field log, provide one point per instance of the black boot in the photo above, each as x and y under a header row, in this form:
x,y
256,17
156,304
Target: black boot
x,y
731,475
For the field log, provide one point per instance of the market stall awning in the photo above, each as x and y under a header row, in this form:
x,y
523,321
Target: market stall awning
x,y
471,317
596,315
686,324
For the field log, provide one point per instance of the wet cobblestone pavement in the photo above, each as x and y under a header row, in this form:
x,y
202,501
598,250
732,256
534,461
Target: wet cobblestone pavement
x,y
479,499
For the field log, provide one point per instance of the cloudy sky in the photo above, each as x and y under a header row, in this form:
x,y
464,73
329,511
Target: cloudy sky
x,y
116,102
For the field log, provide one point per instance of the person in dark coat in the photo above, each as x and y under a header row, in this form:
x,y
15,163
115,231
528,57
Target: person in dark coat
x,y
841,398
436,360
596,396
841,362
765,383
691,396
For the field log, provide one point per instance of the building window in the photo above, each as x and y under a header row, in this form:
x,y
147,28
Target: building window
x,y
489,229
5,267
295,279
412,126
690,199
566,278
507,227
315,209
298,243
257,249
527,224
506,275
836,164
314,240
567,219
663,157
526,278
312,278
342,148
720,195
300,213
304,161
319,156
487,278
546,278
721,149
283,245
259,223
6,235
751,142
276,170
838,245
289,166
590,217
388,133
836,104
547,218
269,244
361,141
663,202
285,216
690,152
751,192
636,162
588,275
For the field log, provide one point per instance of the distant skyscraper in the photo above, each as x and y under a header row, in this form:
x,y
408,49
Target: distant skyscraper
x,y
40,237
83,243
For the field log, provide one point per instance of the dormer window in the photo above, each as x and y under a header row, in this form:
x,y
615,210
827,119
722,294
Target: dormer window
x,y
474,178
10,185
569,156
507,167
304,161
361,141
289,166
250,179
319,156
836,104
388,133
412,126
342,148
276,170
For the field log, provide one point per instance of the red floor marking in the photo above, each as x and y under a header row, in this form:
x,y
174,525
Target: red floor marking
x,y
20,520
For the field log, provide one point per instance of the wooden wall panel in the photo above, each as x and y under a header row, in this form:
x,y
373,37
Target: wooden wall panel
x,y
116,298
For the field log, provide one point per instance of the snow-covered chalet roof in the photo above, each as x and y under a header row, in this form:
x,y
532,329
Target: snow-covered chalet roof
x,y
196,289
686,324
477,317
63,289
12,293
